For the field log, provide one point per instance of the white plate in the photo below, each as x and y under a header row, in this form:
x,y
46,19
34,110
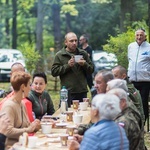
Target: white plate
x,y
56,140
61,124
55,135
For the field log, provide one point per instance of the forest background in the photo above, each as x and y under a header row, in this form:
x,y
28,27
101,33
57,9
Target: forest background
x,y
38,27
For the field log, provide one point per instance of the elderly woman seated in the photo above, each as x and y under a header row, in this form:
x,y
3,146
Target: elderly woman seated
x,y
15,109
104,133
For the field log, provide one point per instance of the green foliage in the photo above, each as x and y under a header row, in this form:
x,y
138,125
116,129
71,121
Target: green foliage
x,y
119,44
48,41
69,7
26,5
97,18
31,56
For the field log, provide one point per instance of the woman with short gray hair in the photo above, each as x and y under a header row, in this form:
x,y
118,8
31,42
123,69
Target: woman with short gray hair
x,y
117,83
107,106
104,133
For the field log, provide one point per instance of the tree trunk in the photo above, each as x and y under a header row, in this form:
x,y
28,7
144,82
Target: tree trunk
x,y
14,24
56,25
7,26
68,22
127,11
39,35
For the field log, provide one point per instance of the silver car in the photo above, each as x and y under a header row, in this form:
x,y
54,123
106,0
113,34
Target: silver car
x,y
7,58
103,60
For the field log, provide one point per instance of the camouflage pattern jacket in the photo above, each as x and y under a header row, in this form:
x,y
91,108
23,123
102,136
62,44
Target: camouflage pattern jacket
x,y
131,121
135,96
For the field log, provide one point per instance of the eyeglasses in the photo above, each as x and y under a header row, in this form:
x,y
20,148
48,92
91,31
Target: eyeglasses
x,y
81,39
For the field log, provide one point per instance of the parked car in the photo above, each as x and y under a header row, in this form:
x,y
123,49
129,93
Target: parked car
x,y
103,60
7,58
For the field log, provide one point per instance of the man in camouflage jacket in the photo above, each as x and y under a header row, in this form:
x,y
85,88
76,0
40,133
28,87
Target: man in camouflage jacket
x,y
130,119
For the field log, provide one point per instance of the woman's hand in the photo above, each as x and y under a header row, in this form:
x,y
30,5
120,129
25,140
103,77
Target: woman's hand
x,y
34,126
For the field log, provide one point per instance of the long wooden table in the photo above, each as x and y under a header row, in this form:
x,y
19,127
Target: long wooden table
x,y
86,115
53,143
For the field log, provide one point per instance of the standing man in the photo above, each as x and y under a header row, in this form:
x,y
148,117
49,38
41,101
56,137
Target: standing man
x,y
85,46
139,66
71,73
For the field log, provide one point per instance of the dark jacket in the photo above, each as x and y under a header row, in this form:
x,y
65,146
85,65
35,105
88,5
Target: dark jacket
x,y
74,78
41,103
2,141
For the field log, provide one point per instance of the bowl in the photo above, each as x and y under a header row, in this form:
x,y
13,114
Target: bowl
x,y
46,127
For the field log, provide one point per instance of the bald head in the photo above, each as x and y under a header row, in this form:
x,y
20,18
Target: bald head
x,y
69,35
17,67
71,42
119,72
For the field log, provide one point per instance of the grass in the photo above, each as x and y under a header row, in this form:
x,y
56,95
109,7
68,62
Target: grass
x,y
55,97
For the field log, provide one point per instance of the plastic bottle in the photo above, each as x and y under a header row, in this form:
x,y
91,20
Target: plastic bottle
x,y
64,98
33,114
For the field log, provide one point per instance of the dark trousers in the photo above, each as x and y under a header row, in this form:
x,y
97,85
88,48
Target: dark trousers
x,y
75,96
144,89
78,96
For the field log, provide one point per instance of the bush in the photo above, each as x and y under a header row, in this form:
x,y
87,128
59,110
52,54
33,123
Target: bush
x,y
31,56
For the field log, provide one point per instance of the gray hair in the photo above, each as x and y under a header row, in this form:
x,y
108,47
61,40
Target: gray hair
x,y
106,74
108,105
117,83
119,92
141,29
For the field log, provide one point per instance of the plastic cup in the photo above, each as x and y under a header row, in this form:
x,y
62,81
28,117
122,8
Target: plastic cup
x,y
77,119
32,141
87,100
70,130
63,139
46,127
77,57
69,115
83,106
75,104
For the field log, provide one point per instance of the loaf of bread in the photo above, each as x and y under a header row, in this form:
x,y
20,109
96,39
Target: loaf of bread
x,y
25,139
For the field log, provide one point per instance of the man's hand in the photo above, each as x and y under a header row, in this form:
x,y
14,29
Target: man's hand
x,y
73,145
81,62
78,138
71,62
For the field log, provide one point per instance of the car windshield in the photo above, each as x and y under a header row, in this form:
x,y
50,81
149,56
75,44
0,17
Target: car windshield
x,y
12,57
